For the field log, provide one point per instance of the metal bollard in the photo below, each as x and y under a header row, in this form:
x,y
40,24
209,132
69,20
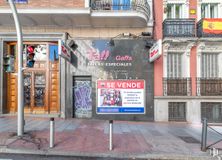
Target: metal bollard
x,y
204,135
52,134
111,135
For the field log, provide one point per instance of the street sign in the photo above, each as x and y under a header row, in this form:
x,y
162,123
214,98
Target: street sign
x,y
121,97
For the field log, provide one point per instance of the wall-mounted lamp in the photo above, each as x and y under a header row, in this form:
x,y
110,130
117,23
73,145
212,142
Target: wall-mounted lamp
x,y
72,45
111,42
148,44
146,34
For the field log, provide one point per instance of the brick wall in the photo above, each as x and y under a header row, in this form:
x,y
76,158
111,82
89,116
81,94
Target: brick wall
x,y
47,4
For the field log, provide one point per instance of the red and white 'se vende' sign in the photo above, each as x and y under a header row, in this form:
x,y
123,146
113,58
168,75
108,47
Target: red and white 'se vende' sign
x,y
155,51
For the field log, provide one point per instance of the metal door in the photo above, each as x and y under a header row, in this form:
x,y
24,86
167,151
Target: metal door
x,y
82,101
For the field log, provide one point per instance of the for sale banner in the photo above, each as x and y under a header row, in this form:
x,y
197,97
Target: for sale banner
x,y
120,97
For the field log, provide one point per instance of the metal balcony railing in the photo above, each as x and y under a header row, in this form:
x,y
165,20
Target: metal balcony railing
x,y
209,86
176,86
209,30
141,6
179,28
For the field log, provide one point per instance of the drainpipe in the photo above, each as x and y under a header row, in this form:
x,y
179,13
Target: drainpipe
x,y
20,123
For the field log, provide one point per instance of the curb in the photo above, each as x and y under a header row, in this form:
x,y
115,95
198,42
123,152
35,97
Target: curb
x,y
148,156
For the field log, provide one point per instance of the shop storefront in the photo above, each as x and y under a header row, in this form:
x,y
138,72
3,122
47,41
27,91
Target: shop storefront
x,y
94,60
69,88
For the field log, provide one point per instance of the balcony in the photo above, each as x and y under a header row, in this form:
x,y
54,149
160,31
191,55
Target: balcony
x,y
179,28
209,27
176,86
209,86
133,13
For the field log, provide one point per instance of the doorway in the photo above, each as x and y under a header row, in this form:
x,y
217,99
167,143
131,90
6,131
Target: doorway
x,y
82,97
35,91
41,82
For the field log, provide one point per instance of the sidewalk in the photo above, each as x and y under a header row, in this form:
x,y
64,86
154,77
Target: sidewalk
x,y
82,137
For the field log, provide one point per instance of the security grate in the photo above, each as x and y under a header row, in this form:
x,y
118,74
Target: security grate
x,y
212,111
177,111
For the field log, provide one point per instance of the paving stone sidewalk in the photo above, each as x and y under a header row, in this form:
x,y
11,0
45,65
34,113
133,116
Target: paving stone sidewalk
x,y
89,137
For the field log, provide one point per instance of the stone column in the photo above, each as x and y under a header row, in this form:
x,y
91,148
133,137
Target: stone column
x,y
187,52
200,47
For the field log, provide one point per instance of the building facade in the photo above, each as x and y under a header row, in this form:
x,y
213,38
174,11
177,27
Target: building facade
x,y
187,78
110,40
83,30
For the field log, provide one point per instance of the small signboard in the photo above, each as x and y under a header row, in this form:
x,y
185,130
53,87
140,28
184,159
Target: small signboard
x,y
120,97
155,51
20,1
64,51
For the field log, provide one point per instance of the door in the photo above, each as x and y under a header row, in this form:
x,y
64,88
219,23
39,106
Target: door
x,y
82,100
41,82
35,92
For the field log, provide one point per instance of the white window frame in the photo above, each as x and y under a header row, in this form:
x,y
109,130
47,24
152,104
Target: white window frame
x,y
219,8
201,49
208,10
209,65
174,64
184,8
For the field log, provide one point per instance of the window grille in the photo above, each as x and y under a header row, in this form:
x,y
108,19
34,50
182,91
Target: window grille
x,y
212,111
177,111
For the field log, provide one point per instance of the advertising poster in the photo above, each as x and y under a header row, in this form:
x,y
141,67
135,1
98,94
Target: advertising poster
x,y
120,97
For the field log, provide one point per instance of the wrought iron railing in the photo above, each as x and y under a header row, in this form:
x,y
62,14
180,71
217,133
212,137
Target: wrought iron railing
x,y
141,6
208,30
179,28
206,127
176,86
209,86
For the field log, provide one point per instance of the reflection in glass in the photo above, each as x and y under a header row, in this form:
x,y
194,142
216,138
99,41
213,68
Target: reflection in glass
x,y
39,90
40,52
27,89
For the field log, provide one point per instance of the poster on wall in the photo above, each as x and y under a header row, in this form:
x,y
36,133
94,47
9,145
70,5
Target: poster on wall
x,y
121,97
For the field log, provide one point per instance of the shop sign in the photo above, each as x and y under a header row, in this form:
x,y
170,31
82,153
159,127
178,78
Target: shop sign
x,y
155,51
64,51
120,97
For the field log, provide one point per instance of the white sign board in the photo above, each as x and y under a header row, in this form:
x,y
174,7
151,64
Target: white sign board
x,y
120,97
64,51
155,51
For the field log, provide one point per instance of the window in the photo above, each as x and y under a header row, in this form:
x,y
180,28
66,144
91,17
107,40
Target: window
x,y
209,68
174,67
174,10
212,111
209,10
177,111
